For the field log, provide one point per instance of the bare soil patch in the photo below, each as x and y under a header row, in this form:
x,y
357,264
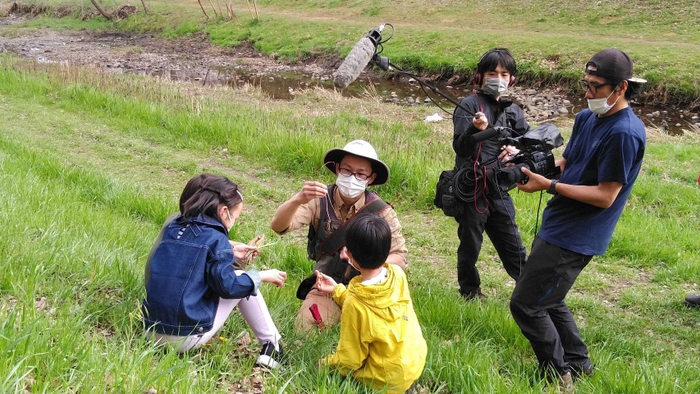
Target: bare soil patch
x,y
149,53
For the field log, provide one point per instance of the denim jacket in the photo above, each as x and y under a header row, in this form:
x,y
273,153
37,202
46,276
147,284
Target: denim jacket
x,y
191,269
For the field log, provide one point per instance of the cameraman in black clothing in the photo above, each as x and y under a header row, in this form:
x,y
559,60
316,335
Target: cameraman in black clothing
x,y
491,209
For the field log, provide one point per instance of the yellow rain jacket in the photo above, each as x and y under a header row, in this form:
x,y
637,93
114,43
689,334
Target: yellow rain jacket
x,y
381,342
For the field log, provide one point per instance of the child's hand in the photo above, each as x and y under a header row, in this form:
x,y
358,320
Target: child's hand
x,y
273,276
246,256
244,252
256,242
324,283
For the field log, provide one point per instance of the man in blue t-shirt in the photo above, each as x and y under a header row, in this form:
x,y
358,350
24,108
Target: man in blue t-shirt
x,y
599,167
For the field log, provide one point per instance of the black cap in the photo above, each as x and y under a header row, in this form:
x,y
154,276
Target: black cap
x,y
613,65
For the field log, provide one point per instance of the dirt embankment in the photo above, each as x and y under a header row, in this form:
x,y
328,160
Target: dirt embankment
x,y
195,58
131,51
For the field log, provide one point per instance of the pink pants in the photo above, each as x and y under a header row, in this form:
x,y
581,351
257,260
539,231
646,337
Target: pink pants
x,y
254,311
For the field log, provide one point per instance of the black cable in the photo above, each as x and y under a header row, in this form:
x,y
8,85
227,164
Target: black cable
x,y
468,183
537,218
392,35
384,63
432,88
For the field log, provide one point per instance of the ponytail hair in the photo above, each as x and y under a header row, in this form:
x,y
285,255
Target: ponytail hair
x,y
215,190
192,186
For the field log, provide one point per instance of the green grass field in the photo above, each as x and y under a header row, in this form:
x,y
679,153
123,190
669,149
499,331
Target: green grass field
x,y
92,163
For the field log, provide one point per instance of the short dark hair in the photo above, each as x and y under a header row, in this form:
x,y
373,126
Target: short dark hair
x,y
491,59
368,239
215,190
633,89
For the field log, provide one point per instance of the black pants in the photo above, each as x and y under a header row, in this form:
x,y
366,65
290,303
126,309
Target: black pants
x,y
499,223
538,307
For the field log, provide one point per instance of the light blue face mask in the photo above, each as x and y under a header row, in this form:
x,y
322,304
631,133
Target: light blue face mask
x,y
495,87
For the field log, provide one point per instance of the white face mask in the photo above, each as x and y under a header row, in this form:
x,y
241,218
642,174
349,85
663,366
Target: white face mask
x,y
230,219
352,265
600,106
495,87
350,186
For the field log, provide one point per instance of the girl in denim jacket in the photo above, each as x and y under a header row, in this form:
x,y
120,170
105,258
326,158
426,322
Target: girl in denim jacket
x,y
192,286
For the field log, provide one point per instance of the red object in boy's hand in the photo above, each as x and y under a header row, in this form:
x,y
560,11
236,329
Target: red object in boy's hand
x,y
316,315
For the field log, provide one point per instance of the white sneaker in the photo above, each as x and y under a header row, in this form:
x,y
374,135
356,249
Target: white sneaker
x,y
270,356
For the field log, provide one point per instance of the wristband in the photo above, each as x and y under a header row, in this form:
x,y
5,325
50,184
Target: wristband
x,y
552,189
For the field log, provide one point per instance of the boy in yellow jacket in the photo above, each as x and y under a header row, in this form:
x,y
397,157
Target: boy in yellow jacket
x,y
381,343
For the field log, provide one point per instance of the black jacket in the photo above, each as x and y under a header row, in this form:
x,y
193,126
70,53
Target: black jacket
x,y
499,113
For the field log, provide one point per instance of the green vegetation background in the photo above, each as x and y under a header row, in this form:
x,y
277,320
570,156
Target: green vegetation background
x,y
92,163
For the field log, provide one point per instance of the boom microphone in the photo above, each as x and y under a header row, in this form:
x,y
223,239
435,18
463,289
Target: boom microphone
x,y
483,135
358,58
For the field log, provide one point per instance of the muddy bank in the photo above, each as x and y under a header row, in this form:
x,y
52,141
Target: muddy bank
x,y
195,59
141,53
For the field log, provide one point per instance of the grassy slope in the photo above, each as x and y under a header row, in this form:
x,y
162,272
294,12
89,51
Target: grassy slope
x,y
89,174
551,44
92,164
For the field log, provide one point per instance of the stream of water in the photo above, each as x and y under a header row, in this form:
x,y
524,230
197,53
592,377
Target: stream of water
x,y
402,91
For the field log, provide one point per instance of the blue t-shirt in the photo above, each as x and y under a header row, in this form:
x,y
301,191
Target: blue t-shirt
x,y
608,149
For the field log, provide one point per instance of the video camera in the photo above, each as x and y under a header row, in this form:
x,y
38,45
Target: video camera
x,y
535,154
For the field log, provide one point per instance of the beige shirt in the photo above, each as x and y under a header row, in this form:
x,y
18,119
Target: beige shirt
x,y
308,214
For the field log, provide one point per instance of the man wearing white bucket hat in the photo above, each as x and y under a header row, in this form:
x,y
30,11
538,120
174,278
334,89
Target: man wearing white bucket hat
x,y
326,210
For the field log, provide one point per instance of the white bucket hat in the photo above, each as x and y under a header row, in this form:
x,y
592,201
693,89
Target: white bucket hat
x,y
359,148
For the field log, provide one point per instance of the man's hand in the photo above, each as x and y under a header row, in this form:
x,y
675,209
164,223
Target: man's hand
x,y
508,152
284,214
311,191
535,182
273,276
324,283
480,121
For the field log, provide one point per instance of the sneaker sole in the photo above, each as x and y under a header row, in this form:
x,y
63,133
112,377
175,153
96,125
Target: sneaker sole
x,y
267,361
